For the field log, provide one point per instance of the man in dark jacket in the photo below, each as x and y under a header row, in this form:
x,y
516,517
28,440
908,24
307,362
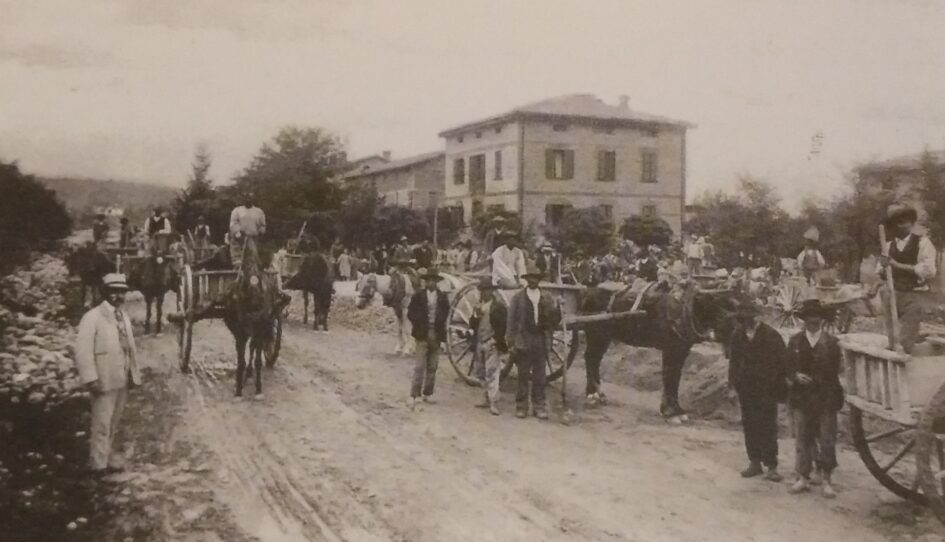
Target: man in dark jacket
x,y
757,373
533,318
425,254
488,323
428,311
815,398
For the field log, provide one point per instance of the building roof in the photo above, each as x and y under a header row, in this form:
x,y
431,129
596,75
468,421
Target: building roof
x,y
909,162
398,164
573,106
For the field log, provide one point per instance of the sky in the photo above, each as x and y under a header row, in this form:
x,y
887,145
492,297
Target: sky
x,y
795,92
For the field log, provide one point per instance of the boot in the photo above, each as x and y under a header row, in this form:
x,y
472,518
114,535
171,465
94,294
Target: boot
x,y
816,478
493,409
521,412
772,475
592,400
754,469
800,485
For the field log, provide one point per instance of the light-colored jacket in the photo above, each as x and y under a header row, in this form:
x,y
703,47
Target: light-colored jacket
x,y
98,352
247,221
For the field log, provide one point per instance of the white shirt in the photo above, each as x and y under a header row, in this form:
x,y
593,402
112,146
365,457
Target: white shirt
x,y
813,338
508,264
248,221
166,228
750,333
534,295
925,263
694,251
813,251
431,305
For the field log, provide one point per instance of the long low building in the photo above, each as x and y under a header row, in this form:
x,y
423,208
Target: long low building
x,y
571,151
413,182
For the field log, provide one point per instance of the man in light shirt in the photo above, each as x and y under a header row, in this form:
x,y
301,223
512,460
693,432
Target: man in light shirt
x,y
532,320
694,256
810,260
247,223
911,260
508,263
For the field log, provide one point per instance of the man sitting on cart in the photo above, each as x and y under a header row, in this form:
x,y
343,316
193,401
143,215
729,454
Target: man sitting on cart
x,y
911,258
810,260
508,263
247,223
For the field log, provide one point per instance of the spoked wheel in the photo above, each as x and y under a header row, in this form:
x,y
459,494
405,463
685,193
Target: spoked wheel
x,y
930,454
788,300
275,345
185,326
889,454
461,343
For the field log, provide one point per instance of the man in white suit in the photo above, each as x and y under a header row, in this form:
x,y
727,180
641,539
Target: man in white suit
x,y
105,359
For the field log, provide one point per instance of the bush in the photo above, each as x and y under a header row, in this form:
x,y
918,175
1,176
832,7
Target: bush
x,y
31,217
645,231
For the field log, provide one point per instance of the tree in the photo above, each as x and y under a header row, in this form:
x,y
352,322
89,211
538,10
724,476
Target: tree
x,y
290,176
645,231
588,230
448,228
31,216
390,222
932,192
198,198
484,221
355,218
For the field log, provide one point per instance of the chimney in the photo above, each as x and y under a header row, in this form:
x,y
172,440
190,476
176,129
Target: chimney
x,y
624,101
386,155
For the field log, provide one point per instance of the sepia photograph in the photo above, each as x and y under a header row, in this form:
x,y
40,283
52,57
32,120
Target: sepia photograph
x,y
472,271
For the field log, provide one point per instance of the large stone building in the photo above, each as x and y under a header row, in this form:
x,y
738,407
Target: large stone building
x,y
902,176
570,151
415,182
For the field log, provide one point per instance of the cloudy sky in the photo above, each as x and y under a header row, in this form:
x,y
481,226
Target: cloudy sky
x,y
127,89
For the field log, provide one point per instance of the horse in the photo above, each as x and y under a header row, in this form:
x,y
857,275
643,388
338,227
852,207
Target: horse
x,y
315,277
674,322
154,276
249,311
90,264
396,290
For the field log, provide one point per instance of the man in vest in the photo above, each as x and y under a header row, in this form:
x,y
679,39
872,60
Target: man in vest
x,y
247,223
99,229
125,233
428,312
488,322
202,233
532,320
810,260
912,263
107,366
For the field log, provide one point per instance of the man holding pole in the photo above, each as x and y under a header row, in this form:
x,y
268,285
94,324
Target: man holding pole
x,y
247,223
907,264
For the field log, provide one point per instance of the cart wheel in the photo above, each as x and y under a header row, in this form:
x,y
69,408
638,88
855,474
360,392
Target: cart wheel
x,y
275,345
789,298
930,454
460,344
185,329
888,455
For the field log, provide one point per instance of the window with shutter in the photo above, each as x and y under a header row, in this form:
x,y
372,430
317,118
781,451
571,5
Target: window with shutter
x,y
648,211
498,166
648,166
459,171
606,165
559,164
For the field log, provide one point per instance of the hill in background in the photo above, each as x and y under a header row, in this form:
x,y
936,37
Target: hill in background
x,y
83,197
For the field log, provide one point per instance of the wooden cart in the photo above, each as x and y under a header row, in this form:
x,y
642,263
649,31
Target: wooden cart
x,y
205,289
897,410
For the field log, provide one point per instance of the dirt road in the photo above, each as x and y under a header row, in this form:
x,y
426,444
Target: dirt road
x,y
333,453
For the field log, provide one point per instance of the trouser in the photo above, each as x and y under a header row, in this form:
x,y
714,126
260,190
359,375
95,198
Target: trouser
x,y
489,368
424,372
236,250
815,440
912,309
695,266
106,412
674,356
593,355
760,424
530,363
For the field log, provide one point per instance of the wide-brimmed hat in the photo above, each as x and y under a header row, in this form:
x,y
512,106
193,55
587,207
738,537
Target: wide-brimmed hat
x,y
498,218
403,237
748,308
430,273
485,283
114,281
546,246
809,308
900,211
531,270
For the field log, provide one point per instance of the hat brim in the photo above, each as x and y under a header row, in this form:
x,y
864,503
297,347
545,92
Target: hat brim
x,y
115,286
905,214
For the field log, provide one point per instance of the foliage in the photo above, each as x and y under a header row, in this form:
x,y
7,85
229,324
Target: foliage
x,y
448,228
31,216
483,222
645,231
198,198
932,192
355,218
587,230
390,222
290,177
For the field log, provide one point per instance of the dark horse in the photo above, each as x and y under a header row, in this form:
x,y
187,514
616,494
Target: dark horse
x,y
315,277
90,264
250,309
673,323
154,276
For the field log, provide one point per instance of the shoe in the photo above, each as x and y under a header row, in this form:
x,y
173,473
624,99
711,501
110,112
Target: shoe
x,y
754,469
494,410
800,486
602,398
412,403
816,478
592,400
828,491
428,399
541,414
521,413
773,476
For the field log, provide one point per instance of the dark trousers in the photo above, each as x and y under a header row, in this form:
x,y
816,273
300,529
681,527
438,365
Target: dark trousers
x,y
592,358
674,357
760,423
424,369
815,441
530,363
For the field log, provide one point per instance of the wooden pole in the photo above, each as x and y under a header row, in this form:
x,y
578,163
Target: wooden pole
x,y
299,238
893,313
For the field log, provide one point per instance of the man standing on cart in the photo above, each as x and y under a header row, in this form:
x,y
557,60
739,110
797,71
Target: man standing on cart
x,y
533,318
911,259
247,223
